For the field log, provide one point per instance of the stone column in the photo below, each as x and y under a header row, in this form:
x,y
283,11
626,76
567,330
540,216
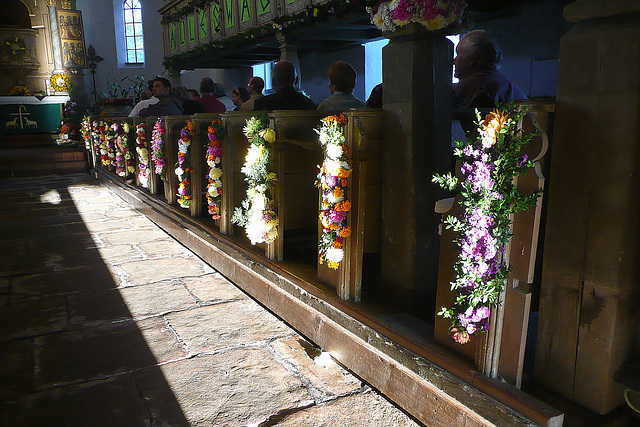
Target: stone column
x,y
55,37
289,52
175,78
417,143
590,278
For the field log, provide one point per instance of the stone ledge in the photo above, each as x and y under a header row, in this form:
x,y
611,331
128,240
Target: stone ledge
x,y
432,394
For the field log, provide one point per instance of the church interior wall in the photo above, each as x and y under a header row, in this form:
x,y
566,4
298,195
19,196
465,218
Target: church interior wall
x,y
100,29
314,69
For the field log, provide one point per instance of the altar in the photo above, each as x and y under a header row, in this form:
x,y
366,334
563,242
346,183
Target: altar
x,y
21,115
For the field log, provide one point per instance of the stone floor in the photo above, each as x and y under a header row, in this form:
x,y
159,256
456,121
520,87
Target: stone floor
x,y
105,320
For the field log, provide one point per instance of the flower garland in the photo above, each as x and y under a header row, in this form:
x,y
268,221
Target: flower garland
x,y
107,143
183,165
157,149
85,131
307,17
97,141
332,181
123,151
257,214
214,160
488,166
143,155
388,15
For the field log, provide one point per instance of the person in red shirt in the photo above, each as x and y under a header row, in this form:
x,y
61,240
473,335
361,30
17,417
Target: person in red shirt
x,y
211,104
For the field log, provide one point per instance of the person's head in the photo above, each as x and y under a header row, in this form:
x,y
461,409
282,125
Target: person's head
x,y
256,85
193,94
207,87
161,87
240,96
180,93
476,51
375,98
219,91
283,74
342,77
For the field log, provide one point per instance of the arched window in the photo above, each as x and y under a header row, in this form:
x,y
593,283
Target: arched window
x,y
134,41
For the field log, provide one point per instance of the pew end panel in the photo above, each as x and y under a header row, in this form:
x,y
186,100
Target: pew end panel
x,y
156,184
234,151
363,134
200,177
174,125
296,156
135,122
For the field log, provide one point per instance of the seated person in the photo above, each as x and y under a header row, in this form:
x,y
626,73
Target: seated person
x,y
188,105
167,105
210,103
221,96
193,94
240,96
146,99
342,80
481,85
255,87
283,77
375,97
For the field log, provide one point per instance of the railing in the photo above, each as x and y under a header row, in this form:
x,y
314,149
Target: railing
x,y
187,27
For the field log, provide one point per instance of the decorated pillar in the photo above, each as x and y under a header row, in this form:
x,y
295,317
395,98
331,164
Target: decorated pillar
x,y
590,279
417,104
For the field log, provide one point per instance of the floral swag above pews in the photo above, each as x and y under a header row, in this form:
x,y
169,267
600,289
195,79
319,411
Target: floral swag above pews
x,y
434,15
489,198
307,17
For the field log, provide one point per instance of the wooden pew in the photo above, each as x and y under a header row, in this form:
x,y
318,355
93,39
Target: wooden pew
x,y
174,125
156,184
362,136
199,180
500,352
296,155
234,150
108,120
137,161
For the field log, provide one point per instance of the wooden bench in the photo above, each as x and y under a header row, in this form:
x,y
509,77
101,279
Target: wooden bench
x,y
500,352
362,137
173,125
295,156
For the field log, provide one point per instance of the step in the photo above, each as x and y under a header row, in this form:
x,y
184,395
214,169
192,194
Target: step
x,y
42,161
25,141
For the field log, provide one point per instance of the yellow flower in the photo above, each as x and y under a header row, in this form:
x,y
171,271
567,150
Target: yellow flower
x,y
269,135
436,23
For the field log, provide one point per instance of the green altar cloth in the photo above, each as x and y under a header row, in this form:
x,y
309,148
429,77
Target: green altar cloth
x,y
20,115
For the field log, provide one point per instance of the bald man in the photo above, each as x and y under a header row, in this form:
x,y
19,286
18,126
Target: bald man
x,y
283,77
481,85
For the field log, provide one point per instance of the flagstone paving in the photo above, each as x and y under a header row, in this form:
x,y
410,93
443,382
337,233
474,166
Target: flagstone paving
x,y
105,320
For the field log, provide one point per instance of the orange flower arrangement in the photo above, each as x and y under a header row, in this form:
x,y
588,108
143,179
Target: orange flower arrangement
x,y
333,184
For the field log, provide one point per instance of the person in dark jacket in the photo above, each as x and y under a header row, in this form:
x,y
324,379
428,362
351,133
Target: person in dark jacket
x,y
283,77
167,105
